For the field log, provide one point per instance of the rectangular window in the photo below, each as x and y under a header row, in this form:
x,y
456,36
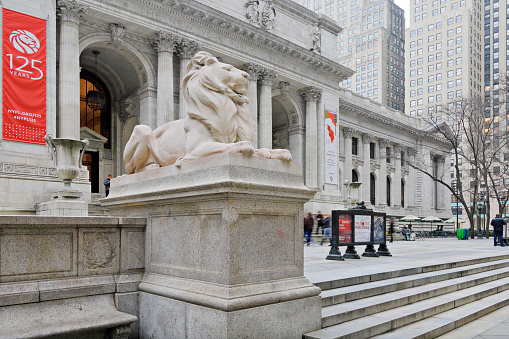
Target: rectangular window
x,y
372,150
354,146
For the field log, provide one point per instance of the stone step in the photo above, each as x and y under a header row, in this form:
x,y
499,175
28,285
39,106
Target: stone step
x,y
449,320
381,321
339,313
333,280
366,290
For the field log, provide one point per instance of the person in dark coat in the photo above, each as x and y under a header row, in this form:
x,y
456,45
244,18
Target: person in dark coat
x,y
107,184
498,227
326,229
319,220
308,227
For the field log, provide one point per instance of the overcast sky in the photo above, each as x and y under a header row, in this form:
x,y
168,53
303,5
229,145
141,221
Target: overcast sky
x,y
405,4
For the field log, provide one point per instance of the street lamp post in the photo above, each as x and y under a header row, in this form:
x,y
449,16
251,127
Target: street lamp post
x,y
479,211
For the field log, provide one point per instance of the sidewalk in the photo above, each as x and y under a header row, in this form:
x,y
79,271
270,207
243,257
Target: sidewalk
x,y
409,254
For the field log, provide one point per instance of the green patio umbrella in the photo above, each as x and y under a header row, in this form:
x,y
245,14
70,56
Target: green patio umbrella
x,y
431,219
409,218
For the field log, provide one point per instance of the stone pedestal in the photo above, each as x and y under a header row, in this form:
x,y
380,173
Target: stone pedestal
x,y
224,254
68,203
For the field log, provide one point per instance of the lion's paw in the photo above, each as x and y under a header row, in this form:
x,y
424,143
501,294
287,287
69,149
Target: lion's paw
x,y
244,147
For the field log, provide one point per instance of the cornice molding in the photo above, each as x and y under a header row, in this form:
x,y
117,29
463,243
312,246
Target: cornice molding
x,y
227,26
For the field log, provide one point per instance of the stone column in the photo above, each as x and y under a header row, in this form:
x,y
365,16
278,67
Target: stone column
x,y
397,176
348,133
382,178
185,49
296,135
252,94
366,168
320,144
411,183
440,188
70,14
265,127
311,96
164,43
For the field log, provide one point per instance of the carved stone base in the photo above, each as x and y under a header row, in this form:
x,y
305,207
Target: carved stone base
x,y
67,203
224,248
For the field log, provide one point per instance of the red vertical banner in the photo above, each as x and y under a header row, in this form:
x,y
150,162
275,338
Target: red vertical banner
x,y
24,77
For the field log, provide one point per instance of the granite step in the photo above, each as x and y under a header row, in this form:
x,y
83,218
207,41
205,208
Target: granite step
x,y
366,290
339,313
379,321
449,320
335,280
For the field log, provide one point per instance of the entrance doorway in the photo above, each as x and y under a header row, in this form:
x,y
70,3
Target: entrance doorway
x,y
91,161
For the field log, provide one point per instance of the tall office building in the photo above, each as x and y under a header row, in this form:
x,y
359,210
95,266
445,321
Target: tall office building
x,y
372,43
444,46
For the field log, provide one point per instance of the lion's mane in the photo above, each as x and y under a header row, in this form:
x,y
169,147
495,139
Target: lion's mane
x,y
223,111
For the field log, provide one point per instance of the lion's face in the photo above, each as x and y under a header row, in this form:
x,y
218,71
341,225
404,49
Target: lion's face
x,y
231,77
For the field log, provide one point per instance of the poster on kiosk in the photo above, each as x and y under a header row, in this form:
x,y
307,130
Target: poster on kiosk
x,y
23,77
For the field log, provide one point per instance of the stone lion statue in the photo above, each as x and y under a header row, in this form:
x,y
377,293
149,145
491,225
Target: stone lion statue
x,y
218,121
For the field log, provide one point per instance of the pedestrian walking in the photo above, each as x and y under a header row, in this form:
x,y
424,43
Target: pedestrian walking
x,y
498,227
107,184
326,229
308,227
319,218
391,229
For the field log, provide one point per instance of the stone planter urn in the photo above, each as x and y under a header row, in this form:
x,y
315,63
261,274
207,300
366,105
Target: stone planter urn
x,y
67,155
352,191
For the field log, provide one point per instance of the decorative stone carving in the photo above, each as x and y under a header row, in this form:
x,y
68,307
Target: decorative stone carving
x,y
284,88
366,138
117,32
316,38
70,10
252,69
218,121
268,16
397,151
252,12
348,132
267,76
311,93
383,143
186,48
164,42
99,250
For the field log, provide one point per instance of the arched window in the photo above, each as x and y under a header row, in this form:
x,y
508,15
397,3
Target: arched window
x,y
372,189
388,191
355,176
402,193
99,120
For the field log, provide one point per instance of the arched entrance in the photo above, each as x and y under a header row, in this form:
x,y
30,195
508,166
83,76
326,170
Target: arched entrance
x,y
96,119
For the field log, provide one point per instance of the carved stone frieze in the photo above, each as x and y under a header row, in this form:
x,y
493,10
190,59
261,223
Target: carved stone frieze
x,y
117,32
70,10
264,18
24,170
164,42
311,93
186,48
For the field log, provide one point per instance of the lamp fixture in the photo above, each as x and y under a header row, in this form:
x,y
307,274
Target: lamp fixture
x,y
95,97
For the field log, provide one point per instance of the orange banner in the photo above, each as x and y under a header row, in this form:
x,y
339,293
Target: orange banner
x,y
24,77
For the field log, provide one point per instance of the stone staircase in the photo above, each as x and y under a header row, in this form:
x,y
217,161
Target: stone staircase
x,y
95,208
420,302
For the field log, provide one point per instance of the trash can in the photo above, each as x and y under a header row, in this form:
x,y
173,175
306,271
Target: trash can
x,y
462,234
